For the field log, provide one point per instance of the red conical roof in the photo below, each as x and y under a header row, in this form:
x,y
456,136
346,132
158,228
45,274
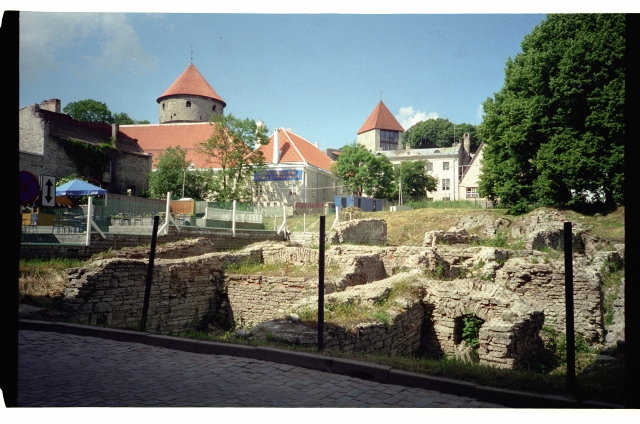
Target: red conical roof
x,y
191,82
381,118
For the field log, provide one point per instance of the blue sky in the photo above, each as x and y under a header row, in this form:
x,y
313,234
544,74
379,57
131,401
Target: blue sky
x,y
319,74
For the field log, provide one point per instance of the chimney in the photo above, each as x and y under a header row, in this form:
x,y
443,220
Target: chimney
x,y
467,144
114,131
276,146
52,105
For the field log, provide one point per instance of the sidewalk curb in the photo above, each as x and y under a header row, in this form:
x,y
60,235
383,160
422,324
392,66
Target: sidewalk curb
x,y
353,368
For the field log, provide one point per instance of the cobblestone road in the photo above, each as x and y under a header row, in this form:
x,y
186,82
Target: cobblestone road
x,y
67,370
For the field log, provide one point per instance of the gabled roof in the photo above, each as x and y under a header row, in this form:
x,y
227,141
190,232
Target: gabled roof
x,y
381,118
191,82
296,149
155,139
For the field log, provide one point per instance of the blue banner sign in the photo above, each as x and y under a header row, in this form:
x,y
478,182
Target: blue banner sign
x,y
272,175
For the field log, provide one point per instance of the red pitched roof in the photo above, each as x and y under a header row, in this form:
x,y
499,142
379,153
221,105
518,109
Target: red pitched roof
x,y
296,149
155,139
191,82
381,118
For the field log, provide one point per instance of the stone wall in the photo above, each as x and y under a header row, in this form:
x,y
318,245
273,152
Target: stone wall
x,y
431,238
401,337
255,298
65,245
360,231
111,291
509,336
544,285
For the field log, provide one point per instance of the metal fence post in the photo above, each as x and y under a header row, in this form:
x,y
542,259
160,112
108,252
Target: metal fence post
x,y
321,286
147,289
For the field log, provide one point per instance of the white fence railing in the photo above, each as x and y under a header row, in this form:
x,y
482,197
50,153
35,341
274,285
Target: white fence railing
x,y
227,215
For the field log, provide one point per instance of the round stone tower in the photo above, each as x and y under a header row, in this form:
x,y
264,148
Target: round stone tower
x,y
189,99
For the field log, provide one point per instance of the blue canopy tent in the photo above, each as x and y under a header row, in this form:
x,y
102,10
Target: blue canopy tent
x,y
83,188
79,188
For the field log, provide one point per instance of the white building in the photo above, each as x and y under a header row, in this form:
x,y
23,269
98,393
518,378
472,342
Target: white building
x,y
297,171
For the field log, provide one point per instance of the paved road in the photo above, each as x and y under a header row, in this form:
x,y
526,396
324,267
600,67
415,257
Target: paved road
x,y
67,370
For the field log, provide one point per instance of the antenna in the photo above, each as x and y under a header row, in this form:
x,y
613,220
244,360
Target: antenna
x,y
192,55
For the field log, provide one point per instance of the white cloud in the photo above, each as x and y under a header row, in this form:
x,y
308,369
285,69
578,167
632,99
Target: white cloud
x,y
409,117
479,113
45,36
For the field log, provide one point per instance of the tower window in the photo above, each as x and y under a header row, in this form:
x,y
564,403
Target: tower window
x,y
188,103
162,106
213,108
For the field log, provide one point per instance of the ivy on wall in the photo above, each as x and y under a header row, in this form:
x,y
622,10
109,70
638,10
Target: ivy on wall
x,y
90,159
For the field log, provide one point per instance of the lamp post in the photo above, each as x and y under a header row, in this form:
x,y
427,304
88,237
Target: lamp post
x,y
184,176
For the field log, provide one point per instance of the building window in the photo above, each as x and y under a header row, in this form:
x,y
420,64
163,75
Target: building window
x,y
131,191
163,106
188,103
472,192
293,189
389,140
429,167
257,190
446,184
213,108
445,166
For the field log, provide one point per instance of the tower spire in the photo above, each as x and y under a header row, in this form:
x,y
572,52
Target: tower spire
x,y
192,55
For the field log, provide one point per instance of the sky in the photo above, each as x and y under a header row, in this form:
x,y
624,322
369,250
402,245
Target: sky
x,y
319,74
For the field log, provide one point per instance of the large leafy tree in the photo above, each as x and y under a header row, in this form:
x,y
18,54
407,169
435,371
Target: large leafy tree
x,y
172,172
555,132
364,172
439,132
416,180
231,148
89,110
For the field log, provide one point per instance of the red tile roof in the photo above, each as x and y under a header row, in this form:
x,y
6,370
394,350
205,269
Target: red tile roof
x,y
296,149
155,139
381,118
191,82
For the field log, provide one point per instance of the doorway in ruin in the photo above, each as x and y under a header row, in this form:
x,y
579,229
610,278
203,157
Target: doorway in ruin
x,y
467,328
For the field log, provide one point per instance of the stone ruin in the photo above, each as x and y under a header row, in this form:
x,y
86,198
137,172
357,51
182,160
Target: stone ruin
x,y
512,292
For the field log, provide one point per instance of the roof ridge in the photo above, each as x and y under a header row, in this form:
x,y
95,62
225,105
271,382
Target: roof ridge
x,y
295,147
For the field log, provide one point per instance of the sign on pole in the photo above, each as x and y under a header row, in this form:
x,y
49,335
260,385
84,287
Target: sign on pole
x,y
48,187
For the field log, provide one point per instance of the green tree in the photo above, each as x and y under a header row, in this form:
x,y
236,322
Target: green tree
x,y
169,175
122,118
554,133
438,132
94,111
89,110
364,172
416,180
231,149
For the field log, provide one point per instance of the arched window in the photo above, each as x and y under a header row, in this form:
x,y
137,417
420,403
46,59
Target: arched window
x,y
188,103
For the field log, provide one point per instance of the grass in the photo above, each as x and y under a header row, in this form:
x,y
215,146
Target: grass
x,y
350,314
44,278
611,275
